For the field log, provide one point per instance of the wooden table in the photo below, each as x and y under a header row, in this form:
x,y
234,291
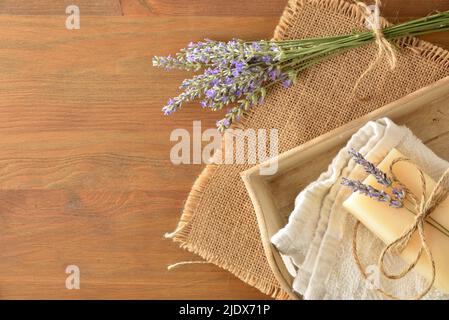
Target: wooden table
x,y
85,173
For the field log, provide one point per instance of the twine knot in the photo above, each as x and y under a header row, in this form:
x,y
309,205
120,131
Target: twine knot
x,y
424,207
385,48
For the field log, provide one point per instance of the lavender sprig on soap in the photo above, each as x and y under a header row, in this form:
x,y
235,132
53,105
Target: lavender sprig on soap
x,y
397,197
370,168
371,192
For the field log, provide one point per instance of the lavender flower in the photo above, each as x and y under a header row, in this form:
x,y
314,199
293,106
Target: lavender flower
x,y
370,168
397,198
210,93
373,193
236,73
274,73
287,83
399,193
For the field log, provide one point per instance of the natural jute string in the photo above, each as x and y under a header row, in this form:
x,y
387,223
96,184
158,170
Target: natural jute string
x,y
183,263
384,46
424,207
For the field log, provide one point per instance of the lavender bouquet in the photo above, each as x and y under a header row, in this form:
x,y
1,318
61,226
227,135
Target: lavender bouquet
x,y
237,74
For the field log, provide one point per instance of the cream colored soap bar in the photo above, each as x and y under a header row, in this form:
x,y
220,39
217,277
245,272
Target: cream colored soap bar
x,y
389,223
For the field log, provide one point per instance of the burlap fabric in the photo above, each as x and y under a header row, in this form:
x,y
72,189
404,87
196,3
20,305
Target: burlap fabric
x,y
219,222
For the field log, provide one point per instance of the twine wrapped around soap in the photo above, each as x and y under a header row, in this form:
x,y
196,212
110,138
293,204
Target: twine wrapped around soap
x,y
385,48
424,207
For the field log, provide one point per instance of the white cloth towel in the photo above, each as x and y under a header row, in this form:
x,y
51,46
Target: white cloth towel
x,y
318,236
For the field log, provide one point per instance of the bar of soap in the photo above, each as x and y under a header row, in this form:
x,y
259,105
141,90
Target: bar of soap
x,y
389,223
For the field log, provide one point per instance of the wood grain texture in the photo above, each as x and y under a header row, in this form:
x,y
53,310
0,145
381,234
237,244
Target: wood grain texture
x,y
85,174
57,7
204,7
395,10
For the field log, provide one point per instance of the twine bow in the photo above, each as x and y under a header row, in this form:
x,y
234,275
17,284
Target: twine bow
x,y
424,207
383,45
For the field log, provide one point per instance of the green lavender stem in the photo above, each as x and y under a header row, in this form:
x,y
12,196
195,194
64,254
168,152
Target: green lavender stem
x,y
309,49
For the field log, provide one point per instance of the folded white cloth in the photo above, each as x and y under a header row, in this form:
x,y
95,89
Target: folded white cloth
x,y
318,236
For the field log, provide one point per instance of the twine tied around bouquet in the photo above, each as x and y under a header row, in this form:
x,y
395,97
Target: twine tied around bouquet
x,y
424,207
385,48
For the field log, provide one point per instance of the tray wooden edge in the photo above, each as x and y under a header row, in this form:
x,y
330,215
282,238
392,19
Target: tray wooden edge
x,y
261,199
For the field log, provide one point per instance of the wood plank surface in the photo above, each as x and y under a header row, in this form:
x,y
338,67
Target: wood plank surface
x,y
57,7
204,7
85,174
395,10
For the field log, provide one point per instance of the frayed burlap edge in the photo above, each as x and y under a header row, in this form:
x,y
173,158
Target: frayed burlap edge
x,y
426,50
181,233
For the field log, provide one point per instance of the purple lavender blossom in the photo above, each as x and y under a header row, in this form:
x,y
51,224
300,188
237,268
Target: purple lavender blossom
x,y
224,123
227,81
266,59
399,193
371,192
274,74
170,107
236,73
211,93
398,196
256,46
212,71
396,204
215,82
287,83
239,65
370,168
203,104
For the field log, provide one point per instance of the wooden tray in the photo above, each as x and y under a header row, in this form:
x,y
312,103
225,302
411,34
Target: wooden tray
x,y
425,112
